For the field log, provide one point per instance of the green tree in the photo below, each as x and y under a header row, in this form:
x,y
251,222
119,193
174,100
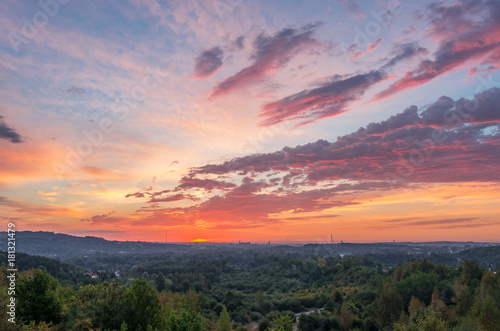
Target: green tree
x,y
37,299
259,298
42,326
184,320
388,306
224,323
4,301
105,304
486,308
415,307
160,282
346,317
420,285
431,321
463,298
471,273
142,306
309,322
489,316
264,325
283,322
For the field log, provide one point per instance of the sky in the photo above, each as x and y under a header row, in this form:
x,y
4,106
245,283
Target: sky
x,y
228,120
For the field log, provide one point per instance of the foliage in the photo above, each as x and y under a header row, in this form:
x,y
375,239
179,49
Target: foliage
x,y
36,298
283,322
224,323
222,290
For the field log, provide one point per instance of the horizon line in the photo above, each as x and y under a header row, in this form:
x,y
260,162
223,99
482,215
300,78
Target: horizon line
x,y
265,242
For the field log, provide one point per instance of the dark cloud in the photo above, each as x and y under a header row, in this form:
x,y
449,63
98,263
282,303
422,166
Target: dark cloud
x,y
208,62
145,193
136,195
325,101
404,52
467,31
206,184
8,133
449,136
270,53
334,96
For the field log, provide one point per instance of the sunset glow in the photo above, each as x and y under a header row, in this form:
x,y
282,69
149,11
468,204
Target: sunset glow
x,y
255,121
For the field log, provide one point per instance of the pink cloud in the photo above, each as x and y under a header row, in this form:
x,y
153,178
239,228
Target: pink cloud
x,y
271,53
334,96
463,40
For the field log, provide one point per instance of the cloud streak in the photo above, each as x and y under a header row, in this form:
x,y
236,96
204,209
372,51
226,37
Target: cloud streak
x,y
334,96
271,53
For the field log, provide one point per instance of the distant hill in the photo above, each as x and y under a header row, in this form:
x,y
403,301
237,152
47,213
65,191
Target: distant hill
x,y
64,246
486,256
57,244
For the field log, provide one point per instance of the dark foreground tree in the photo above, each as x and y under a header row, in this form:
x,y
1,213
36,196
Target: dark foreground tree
x,y
37,299
143,306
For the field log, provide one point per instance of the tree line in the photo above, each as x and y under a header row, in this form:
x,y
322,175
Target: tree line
x,y
258,292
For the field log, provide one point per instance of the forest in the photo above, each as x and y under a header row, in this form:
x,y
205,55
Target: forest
x,y
250,290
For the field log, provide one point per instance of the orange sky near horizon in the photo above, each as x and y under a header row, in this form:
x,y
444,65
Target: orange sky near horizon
x,y
266,121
